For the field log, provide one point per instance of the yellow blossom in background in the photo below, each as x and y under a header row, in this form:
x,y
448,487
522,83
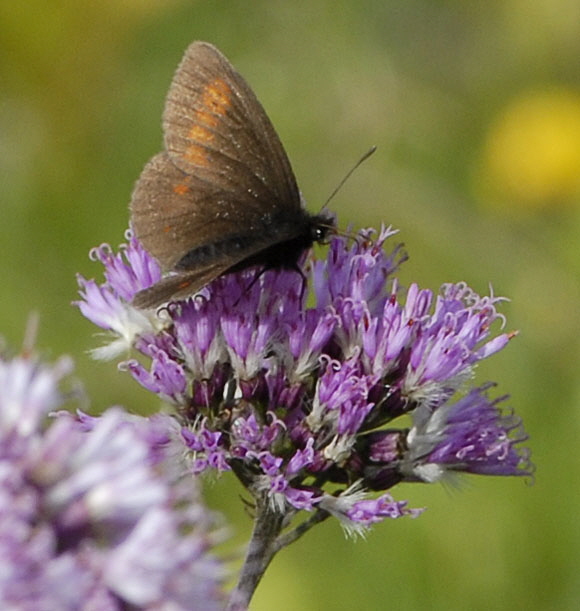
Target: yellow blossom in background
x,y
531,156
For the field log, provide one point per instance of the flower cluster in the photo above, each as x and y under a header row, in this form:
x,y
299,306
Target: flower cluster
x,y
296,388
95,513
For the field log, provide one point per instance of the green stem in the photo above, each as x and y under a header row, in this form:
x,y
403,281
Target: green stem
x,y
262,548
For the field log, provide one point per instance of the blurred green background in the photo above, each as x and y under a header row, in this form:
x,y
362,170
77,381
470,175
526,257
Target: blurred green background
x,y
475,108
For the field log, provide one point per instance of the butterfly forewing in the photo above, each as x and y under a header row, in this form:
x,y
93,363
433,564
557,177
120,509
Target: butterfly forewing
x,y
216,128
224,169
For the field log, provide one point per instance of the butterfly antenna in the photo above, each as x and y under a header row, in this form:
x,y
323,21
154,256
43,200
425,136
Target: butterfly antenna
x,y
348,174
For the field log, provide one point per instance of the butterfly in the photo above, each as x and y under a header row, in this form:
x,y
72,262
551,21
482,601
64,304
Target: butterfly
x,y
222,196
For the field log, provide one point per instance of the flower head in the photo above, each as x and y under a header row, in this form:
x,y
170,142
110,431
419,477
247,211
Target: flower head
x,y
296,390
95,509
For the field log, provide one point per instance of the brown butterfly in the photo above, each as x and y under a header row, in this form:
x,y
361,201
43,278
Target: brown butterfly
x,y
222,196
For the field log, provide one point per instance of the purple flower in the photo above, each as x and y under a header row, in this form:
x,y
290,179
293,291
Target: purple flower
x,y
107,305
297,391
95,512
472,435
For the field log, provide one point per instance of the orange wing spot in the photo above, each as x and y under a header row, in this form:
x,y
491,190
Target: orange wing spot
x,y
167,228
181,189
206,118
216,96
184,284
196,154
215,102
199,133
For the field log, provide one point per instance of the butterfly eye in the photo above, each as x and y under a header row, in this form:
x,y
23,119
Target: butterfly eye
x,y
319,233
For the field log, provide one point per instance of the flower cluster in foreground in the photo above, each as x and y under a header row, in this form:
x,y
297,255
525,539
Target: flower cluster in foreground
x,y
94,512
297,389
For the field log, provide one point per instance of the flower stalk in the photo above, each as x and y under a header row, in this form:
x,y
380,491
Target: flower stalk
x,y
262,547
